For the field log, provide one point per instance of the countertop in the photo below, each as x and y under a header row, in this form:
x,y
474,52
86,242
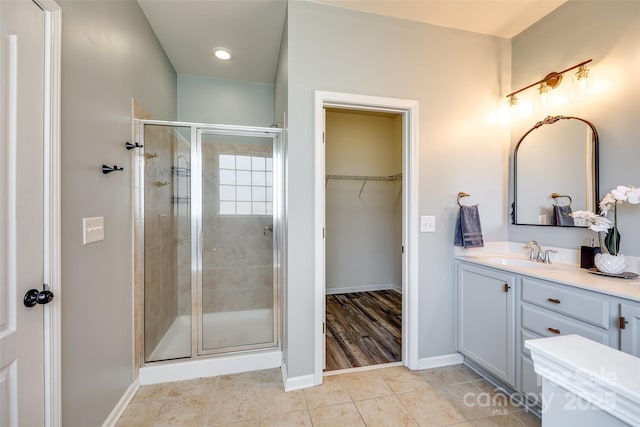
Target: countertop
x,y
564,273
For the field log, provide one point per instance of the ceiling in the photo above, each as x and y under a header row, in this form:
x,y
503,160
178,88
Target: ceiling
x,y
189,29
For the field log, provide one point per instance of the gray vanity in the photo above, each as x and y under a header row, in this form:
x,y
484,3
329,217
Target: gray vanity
x,y
503,301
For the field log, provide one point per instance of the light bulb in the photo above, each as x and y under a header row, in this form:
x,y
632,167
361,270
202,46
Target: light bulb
x,y
223,53
544,90
582,81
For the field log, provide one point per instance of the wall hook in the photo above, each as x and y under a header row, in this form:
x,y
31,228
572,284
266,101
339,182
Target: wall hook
x,y
130,146
108,169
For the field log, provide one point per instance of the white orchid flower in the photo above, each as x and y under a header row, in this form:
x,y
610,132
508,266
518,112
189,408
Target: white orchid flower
x,y
607,203
601,224
620,192
633,196
596,222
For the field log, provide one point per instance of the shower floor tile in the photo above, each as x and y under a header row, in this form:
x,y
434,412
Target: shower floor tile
x,y
434,397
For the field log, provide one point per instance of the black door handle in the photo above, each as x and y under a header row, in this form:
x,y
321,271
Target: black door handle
x,y
34,296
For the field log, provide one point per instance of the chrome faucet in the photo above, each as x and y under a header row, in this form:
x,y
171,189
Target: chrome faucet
x,y
534,250
537,254
543,256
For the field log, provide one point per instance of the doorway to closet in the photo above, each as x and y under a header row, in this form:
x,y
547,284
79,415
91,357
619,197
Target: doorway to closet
x,y
363,239
408,186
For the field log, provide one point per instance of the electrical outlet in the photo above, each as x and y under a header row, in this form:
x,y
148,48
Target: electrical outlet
x,y
92,229
427,224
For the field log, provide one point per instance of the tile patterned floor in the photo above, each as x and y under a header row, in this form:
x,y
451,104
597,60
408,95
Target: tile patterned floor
x,y
392,396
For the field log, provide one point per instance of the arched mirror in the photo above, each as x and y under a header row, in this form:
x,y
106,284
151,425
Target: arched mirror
x,y
555,172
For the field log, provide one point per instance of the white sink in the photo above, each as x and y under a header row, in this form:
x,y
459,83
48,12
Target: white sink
x,y
516,262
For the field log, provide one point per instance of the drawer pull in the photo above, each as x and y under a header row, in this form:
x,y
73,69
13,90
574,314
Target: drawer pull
x,y
553,300
554,330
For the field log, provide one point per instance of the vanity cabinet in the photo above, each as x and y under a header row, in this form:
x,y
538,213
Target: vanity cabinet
x,y
629,324
499,310
486,319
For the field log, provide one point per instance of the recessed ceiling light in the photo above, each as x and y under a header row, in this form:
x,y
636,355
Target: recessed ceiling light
x,y
223,53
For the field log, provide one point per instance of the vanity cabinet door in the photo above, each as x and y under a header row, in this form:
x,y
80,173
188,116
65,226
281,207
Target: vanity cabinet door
x,y
630,329
486,318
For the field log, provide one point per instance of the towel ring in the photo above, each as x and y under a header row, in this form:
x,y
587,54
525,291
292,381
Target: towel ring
x,y
556,196
461,195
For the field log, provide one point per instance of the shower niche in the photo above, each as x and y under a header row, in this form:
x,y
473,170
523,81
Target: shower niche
x,y
208,238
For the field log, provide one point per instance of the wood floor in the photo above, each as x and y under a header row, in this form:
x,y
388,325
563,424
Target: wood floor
x,y
363,329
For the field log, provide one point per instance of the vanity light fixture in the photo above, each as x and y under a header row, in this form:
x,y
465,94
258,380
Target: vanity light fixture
x,y
551,81
223,53
545,93
582,78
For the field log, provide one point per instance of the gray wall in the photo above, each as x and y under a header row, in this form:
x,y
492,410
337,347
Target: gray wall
x,y
109,56
229,102
458,78
608,32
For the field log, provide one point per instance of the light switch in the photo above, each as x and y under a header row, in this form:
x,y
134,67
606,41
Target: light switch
x,y
92,229
427,224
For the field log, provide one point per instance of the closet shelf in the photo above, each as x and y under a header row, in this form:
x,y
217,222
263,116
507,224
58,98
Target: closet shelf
x,y
396,177
365,178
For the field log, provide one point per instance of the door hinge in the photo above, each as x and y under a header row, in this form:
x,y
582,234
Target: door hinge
x,y
402,248
323,328
323,232
622,322
323,137
506,287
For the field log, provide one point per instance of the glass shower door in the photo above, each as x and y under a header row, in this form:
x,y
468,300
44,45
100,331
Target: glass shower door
x,y
167,242
237,289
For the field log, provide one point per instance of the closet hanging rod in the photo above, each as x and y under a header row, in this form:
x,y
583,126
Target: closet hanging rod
x,y
364,178
396,177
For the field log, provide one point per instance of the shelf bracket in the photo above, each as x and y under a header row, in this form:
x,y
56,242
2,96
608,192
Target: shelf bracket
x,y
362,188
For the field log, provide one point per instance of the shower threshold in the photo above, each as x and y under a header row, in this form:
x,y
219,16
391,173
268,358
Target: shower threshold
x,y
220,330
229,328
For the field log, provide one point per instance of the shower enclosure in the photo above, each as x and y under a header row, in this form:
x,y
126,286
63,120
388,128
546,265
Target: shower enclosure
x,y
209,210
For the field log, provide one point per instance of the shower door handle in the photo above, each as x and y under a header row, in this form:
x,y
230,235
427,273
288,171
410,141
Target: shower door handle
x,y
267,228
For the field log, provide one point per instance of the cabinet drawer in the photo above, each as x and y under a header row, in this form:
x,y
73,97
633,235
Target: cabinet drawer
x,y
549,324
589,308
527,335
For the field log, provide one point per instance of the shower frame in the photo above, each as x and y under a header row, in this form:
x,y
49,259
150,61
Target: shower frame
x,y
196,233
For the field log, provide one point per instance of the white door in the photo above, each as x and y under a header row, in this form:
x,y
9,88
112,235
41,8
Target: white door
x,y
22,75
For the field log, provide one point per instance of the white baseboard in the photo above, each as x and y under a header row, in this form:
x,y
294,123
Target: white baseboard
x,y
117,410
297,383
440,361
363,288
209,367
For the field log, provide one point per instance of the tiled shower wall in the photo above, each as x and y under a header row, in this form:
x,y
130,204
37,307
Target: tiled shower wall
x,y
237,259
